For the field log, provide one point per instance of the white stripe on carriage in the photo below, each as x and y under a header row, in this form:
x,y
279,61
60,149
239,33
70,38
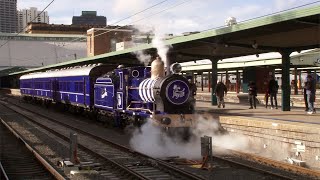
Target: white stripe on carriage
x,y
71,93
103,106
41,90
27,88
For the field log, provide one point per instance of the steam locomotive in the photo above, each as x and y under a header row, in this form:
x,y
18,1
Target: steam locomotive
x,y
124,94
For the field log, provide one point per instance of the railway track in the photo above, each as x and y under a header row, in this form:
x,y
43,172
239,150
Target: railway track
x,y
128,163
138,165
19,161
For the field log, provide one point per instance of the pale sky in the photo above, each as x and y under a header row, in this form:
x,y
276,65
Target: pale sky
x,y
172,16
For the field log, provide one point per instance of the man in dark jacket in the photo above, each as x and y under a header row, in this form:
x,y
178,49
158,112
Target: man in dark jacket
x,y
273,90
252,94
310,91
220,91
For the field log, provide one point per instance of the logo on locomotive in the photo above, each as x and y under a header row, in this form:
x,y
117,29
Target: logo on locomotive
x,y
177,92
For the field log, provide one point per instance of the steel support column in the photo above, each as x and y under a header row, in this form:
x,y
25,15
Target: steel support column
x,y
237,82
201,81
227,80
214,78
209,81
315,80
299,82
286,90
295,81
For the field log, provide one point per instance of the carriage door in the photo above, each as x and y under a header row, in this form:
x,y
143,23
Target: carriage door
x,y
84,91
54,89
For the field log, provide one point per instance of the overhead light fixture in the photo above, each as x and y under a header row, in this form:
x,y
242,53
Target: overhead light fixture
x,y
255,44
226,45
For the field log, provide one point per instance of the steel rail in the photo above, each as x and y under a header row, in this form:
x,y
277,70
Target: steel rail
x,y
253,168
136,174
51,169
65,138
159,162
278,164
3,173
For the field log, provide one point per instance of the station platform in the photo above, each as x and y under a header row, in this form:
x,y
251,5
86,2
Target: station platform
x,y
297,114
275,134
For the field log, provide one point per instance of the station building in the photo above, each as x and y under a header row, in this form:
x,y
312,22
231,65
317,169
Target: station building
x,y
36,50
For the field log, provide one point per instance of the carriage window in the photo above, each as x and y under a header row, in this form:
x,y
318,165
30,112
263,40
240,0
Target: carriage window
x,y
68,86
78,86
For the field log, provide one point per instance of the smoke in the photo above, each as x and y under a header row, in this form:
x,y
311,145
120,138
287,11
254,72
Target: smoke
x,y
143,57
151,140
155,30
162,48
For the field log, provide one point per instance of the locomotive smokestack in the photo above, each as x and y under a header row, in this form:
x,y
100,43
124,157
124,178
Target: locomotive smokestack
x,y
157,68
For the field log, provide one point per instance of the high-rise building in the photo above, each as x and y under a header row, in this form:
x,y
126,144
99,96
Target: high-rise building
x,y
26,16
8,16
89,18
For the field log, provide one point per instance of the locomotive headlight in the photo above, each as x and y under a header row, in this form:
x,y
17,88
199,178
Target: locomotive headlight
x,y
166,121
176,68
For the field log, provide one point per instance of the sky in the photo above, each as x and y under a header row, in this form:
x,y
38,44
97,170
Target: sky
x,y
171,16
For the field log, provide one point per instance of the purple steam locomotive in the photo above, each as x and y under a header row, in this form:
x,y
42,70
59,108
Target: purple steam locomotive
x,y
124,95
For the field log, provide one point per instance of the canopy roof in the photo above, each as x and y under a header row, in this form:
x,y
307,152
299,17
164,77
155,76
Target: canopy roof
x,y
289,31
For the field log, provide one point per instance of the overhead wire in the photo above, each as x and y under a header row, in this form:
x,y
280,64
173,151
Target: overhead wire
x,y
144,18
166,10
27,25
285,10
81,38
134,14
66,43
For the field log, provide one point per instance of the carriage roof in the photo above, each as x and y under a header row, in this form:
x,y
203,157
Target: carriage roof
x,y
68,72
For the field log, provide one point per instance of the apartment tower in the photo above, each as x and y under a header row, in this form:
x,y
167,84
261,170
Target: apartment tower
x,y
8,16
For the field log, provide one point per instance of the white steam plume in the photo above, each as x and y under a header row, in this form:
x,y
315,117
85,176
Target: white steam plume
x,y
150,140
143,57
162,48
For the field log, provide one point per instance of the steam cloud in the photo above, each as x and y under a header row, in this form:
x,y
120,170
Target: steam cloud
x,y
156,29
150,140
143,57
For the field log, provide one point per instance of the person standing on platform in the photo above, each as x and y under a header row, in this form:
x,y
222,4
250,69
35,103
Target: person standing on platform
x,y
193,89
252,94
273,89
310,91
266,96
305,96
220,91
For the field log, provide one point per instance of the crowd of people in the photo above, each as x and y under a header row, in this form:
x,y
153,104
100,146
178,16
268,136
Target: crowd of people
x,y
271,92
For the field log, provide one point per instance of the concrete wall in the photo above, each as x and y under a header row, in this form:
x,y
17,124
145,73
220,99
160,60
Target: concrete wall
x,y
279,137
39,53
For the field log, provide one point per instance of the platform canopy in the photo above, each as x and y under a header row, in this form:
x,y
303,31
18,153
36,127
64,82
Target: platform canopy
x,y
288,31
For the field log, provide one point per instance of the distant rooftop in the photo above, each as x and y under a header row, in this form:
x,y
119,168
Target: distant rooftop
x,y
89,13
42,37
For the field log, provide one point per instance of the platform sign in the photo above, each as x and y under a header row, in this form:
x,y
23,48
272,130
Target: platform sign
x,y
301,148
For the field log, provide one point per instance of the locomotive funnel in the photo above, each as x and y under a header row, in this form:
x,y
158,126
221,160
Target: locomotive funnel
x,y
157,68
